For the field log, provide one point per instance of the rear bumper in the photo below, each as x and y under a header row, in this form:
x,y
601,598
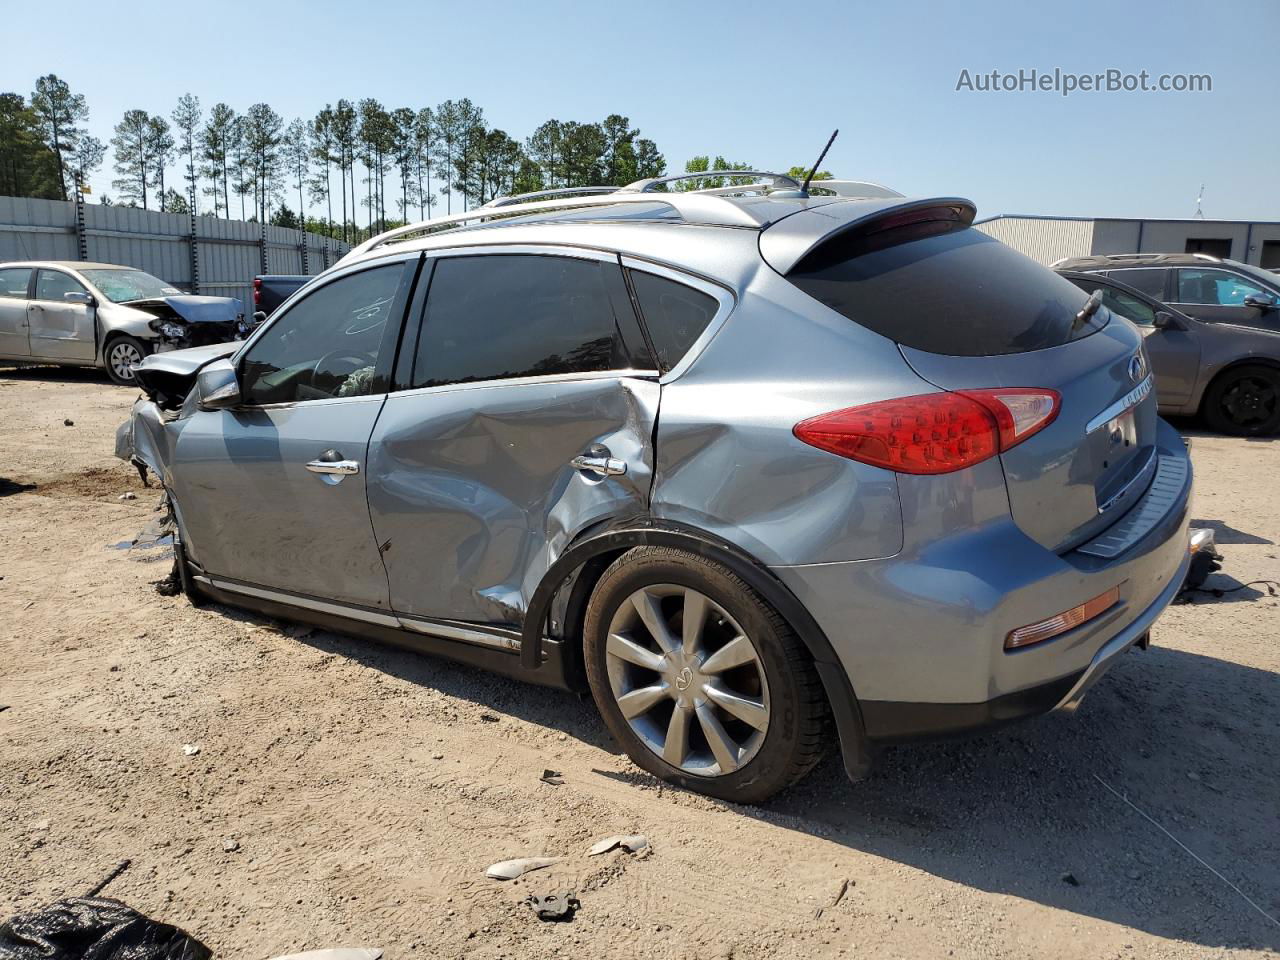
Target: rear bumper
x,y
888,721
921,635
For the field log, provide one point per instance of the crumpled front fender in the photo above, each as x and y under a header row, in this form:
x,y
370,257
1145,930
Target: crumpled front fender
x,y
145,438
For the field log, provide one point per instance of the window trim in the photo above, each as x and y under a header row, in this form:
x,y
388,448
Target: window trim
x,y
725,297
508,249
390,340
35,288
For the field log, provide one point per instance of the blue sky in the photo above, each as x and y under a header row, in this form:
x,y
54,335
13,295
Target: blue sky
x,y
762,83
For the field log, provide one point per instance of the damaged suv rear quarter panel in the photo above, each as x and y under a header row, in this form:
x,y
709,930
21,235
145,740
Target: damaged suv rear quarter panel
x,y
722,421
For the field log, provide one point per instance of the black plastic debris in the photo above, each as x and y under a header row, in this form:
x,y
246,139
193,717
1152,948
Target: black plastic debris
x,y
556,907
97,927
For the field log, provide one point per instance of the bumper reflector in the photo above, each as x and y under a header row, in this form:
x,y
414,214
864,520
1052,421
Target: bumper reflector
x,y
1068,620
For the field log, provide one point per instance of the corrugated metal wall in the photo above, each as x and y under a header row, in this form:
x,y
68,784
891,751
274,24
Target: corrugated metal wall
x,y
229,251
1046,240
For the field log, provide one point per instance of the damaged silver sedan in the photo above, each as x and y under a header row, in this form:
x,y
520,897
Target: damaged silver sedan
x,y
104,315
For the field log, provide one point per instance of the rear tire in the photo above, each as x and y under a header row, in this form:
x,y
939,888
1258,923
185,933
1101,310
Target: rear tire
x,y
118,354
1244,401
732,707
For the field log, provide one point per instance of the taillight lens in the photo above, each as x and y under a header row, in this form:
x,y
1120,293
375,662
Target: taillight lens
x,y
257,291
934,432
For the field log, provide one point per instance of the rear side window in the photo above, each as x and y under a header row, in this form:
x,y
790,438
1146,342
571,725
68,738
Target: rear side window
x,y
674,314
500,316
13,283
957,292
1150,282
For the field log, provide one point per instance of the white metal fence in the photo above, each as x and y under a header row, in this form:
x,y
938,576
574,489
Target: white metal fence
x,y
196,254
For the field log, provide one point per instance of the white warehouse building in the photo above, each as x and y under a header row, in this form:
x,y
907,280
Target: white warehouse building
x,y
1049,239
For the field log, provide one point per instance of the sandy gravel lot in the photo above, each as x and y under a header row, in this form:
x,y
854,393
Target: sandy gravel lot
x,y
348,794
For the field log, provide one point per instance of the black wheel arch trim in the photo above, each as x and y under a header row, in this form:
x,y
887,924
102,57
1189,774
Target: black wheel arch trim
x,y
648,531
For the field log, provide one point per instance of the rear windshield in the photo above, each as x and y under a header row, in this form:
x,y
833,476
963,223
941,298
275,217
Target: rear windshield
x,y
945,289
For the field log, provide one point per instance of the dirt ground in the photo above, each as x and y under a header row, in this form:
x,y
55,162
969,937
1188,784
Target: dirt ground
x,y
346,794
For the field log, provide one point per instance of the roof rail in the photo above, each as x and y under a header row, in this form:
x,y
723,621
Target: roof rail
x,y
651,184
559,192
488,213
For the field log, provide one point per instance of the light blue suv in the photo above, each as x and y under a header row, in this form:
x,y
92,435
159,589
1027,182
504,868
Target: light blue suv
x,y
745,464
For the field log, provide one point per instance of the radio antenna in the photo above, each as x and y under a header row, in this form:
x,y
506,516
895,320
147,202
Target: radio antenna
x,y
822,156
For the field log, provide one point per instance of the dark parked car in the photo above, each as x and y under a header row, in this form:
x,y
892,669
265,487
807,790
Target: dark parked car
x,y
1226,372
1202,286
271,290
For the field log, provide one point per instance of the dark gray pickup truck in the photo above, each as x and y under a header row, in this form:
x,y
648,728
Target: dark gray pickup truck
x,y
271,290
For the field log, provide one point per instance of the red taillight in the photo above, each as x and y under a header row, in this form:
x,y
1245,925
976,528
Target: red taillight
x,y
257,291
934,432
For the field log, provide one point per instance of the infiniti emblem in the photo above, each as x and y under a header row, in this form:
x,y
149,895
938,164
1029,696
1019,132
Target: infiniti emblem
x,y
1137,367
684,678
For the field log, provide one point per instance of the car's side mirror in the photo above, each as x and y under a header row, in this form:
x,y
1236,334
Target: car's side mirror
x,y
78,296
1263,301
217,386
1164,320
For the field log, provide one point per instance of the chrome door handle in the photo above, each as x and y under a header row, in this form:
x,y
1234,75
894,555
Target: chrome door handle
x,y
605,466
342,468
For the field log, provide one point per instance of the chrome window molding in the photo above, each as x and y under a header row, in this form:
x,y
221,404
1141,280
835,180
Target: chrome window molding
x,y
526,381
289,404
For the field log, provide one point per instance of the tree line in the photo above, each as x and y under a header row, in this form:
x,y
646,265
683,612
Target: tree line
x,y
253,165
365,167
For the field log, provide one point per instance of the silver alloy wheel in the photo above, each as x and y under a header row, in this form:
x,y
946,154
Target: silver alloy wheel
x,y
687,679
121,358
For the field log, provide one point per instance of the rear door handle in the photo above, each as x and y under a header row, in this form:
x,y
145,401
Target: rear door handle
x,y
605,466
342,468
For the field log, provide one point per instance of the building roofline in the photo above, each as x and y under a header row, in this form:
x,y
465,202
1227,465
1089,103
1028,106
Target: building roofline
x,y
1039,216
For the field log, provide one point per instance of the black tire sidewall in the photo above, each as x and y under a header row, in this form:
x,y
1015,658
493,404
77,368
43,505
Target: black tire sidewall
x,y
106,357
1217,418
774,765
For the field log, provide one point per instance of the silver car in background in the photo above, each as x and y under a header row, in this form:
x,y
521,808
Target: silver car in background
x,y
105,315
742,465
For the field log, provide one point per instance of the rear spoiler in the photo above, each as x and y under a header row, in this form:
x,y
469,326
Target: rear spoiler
x,y
788,241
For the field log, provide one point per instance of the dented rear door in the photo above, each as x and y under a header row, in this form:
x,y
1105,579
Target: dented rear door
x,y
525,415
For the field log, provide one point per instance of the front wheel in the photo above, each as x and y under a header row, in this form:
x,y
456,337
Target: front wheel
x,y
121,353
1245,401
701,681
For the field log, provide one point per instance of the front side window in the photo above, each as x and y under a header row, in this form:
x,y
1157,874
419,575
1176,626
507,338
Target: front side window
x,y
1218,288
52,284
327,344
501,316
1150,282
674,314
13,283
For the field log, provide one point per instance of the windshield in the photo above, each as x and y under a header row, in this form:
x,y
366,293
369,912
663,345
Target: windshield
x,y
1269,279
121,286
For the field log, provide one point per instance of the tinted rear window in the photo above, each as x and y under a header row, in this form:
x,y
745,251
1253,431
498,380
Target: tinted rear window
x,y
957,292
502,316
1150,282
